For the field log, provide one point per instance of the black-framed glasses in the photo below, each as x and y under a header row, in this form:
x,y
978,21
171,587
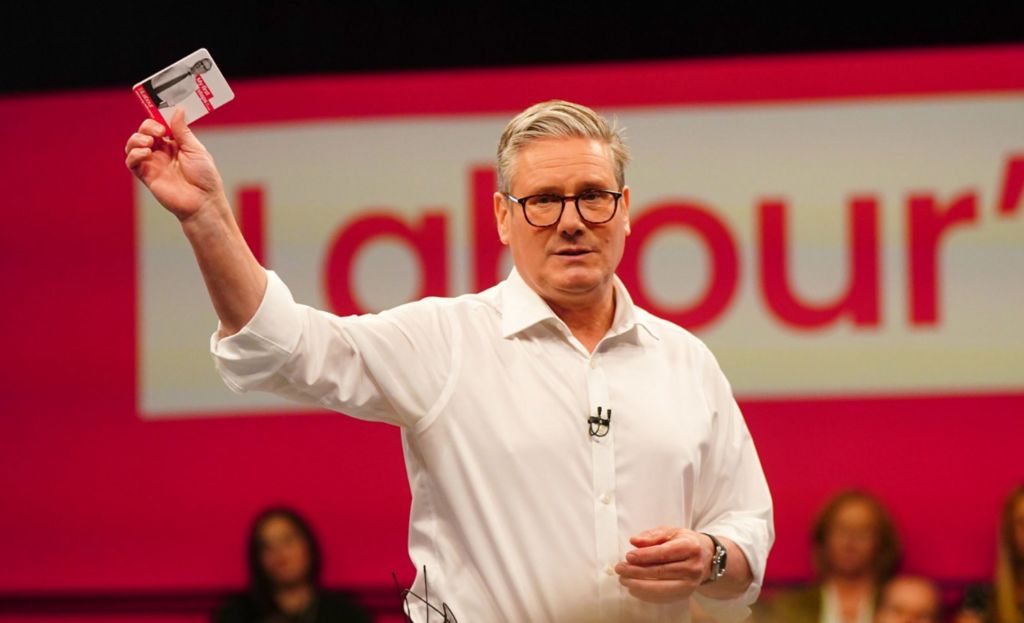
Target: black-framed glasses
x,y
594,207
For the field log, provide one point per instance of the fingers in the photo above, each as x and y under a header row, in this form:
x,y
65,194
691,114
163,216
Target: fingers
x,y
152,127
666,566
139,140
142,143
677,549
136,156
656,591
178,125
681,570
182,133
653,536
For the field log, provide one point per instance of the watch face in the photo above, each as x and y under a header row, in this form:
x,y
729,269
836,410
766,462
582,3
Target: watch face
x,y
717,560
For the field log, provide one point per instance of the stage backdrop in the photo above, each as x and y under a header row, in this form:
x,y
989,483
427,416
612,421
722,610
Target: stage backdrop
x,y
845,231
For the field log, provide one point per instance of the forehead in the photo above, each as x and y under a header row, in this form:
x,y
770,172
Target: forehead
x,y
556,163
276,527
855,509
913,592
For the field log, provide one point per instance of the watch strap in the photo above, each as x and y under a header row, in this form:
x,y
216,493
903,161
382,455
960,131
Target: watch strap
x,y
718,559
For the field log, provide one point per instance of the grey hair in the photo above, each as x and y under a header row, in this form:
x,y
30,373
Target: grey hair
x,y
558,119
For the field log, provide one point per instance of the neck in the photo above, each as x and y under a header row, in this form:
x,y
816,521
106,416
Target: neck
x,y
294,599
863,582
589,320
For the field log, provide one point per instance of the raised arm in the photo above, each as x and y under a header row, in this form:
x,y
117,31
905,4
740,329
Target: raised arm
x,y
181,175
388,367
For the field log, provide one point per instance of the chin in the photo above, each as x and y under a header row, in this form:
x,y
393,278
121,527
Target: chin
x,y
577,274
574,281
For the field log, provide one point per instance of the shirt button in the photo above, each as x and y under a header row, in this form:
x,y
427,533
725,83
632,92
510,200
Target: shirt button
x,y
609,570
606,498
593,363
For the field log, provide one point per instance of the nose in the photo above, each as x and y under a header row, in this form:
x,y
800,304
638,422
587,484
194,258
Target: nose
x,y
570,224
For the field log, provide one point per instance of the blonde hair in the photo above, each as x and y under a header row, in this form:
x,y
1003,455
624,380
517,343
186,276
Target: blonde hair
x,y
558,119
1009,564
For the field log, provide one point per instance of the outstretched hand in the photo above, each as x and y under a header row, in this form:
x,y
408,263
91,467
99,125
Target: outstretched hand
x,y
177,169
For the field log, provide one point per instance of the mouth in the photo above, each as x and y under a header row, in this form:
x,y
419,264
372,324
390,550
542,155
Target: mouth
x,y
572,252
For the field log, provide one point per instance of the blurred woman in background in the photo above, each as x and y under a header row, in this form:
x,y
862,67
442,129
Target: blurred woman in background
x,y
856,551
284,578
1004,601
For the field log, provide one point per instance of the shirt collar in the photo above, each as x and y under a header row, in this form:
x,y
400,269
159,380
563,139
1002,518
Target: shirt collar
x,y
522,308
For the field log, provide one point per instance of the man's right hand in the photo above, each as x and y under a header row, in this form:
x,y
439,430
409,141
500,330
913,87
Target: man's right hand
x,y
177,170
181,175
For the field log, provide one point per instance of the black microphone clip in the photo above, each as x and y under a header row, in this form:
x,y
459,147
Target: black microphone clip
x,y
599,426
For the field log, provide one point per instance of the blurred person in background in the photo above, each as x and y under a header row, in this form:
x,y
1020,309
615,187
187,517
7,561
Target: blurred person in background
x,y
856,551
1004,601
909,599
284,578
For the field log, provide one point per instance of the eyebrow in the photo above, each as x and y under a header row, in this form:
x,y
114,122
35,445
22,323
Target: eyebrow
x,y
551,189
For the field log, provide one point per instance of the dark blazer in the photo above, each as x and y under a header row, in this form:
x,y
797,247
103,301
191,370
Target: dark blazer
x,y
801,605
328,607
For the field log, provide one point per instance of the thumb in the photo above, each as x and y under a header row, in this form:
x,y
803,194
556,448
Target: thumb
x,y
182,133
652,536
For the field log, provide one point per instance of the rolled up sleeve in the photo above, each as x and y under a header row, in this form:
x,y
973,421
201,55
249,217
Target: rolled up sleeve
x,y
733,499
247,359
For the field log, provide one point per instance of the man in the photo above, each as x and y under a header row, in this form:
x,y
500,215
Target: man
x,y
172,85
909,599
570,456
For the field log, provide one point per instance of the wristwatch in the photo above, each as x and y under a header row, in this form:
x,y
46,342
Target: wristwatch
x,y
718,559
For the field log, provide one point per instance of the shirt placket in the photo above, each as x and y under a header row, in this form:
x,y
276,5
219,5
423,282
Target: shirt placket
x,y
602,451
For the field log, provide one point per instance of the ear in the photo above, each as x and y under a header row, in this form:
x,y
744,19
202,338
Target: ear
x,y
502,217
624,207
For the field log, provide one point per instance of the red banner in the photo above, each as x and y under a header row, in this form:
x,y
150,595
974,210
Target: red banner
x,y
113,477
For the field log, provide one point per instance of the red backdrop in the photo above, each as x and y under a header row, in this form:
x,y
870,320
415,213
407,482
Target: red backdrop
x,y
95,498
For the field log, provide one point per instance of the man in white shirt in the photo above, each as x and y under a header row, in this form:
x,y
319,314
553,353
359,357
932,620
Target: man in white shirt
x,y
571,457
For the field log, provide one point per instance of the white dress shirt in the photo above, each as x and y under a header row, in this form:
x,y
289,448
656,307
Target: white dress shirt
x,y
518,513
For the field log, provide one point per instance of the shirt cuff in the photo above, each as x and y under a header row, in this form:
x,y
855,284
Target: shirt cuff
x,y
266,341
737,608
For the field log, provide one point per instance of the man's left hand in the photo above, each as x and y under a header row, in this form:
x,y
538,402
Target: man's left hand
x,y
668,564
